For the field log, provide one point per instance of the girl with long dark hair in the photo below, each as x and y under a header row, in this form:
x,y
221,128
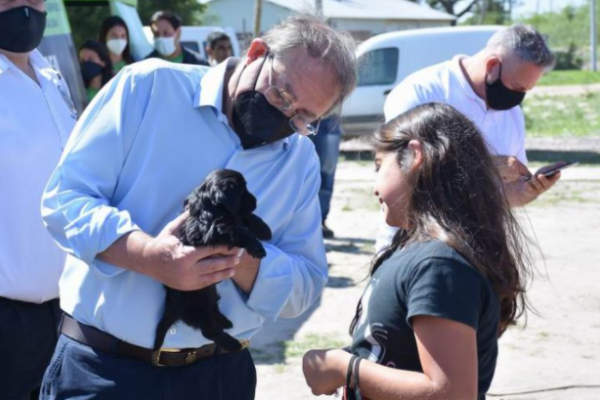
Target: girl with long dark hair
x,y
454,278
115,36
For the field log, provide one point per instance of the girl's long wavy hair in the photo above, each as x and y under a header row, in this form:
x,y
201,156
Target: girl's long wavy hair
x,y
457,198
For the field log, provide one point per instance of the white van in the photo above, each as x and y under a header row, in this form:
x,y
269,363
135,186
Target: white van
x,y
385,60
194,38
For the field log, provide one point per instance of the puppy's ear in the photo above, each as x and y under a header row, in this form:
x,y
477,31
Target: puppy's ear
x,y
228,197
258,227
248,204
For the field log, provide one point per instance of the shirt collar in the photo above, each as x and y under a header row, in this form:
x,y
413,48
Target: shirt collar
x,y
463,82
210,94
37,61
4,63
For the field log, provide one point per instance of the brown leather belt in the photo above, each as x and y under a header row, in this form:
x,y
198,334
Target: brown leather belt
x,y
109,344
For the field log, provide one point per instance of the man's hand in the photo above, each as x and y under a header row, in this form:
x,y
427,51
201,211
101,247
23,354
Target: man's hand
x,y
510,169
522,192
168,261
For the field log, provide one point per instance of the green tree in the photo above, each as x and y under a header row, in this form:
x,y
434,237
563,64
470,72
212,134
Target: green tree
x,y
492,11
85,20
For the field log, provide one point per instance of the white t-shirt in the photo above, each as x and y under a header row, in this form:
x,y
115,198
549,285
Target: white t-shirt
x,y
503,131
35,122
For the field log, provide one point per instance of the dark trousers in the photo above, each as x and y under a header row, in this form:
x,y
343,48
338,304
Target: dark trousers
x,y
28,335
327,145
79,372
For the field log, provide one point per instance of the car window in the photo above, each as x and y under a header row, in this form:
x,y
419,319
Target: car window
x,y
378,67
191,46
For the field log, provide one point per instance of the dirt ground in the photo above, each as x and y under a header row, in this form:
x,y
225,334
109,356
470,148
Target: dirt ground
x,y
558,347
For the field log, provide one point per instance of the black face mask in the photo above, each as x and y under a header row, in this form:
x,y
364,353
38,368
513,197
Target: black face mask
x,y
256,121
21,29
90,70
501,98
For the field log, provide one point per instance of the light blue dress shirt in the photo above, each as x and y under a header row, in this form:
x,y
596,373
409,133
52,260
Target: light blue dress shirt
x,y
147,140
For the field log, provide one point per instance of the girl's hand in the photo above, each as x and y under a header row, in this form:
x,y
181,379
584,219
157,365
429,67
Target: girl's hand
x,y
325,370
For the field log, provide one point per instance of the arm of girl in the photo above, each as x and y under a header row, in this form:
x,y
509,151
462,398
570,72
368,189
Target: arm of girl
x,y
448,355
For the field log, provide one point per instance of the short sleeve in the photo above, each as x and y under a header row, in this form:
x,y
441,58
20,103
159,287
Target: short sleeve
x,y
447,289
404,97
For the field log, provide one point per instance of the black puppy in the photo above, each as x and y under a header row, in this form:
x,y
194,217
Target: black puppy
x,y
220,214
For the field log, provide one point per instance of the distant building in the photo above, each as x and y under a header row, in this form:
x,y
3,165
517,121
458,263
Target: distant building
x,y
362,18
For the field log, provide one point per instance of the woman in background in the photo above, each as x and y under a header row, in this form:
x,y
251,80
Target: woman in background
x,y
96,67
115,36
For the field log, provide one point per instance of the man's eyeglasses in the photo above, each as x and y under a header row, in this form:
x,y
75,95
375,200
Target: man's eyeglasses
x,y
280,98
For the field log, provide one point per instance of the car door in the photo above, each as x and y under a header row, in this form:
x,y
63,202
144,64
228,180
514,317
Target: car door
x,y
377,75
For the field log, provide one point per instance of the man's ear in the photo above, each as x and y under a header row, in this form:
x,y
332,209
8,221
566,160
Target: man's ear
x,y
492,69
178,35
416,151
258,48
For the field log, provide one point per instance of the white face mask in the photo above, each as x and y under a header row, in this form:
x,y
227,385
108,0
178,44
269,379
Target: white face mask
x,y
165,45
116,46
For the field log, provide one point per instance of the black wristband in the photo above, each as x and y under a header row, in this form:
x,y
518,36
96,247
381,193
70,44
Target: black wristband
x,y
356,374
349,372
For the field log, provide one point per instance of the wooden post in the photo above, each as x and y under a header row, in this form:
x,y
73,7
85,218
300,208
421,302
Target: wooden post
x,y
257,17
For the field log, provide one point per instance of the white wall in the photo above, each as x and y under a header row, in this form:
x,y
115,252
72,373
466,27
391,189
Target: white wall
x,y
239,14
383,26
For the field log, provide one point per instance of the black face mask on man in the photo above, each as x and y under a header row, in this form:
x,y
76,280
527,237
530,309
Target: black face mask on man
x,y
21,29
501,98
256,121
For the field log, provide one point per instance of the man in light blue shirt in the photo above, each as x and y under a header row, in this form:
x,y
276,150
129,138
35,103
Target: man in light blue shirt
x,y
114,202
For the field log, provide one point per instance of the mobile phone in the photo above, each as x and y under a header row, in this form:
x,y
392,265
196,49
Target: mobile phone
x,y
552,169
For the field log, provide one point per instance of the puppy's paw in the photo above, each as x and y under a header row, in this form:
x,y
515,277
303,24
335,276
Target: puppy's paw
x,y
257,251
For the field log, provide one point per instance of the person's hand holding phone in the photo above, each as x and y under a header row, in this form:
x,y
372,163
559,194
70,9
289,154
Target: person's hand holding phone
x,y
510,168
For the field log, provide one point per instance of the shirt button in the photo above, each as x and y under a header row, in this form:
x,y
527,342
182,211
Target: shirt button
x,y
173,331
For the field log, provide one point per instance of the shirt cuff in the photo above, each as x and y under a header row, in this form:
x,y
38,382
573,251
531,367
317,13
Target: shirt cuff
x,y
89,240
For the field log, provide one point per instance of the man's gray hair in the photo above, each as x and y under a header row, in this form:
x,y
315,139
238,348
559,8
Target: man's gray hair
x,y
334,47
524,42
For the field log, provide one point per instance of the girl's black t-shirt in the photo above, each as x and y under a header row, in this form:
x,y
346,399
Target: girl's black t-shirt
x,y
428,278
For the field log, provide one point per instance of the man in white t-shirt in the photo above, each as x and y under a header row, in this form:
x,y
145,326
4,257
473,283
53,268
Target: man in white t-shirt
x,y
36,117
488,88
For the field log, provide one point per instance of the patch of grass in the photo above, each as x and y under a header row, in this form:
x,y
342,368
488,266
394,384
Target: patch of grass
x,y
562,116
568,192
280,368
297,348
539,158
347,207
361,199
543,335
571,77
262,356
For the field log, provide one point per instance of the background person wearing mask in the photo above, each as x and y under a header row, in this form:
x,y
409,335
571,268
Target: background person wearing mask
x,y
36,118
166,28
488,88
218,47
96,67
115,36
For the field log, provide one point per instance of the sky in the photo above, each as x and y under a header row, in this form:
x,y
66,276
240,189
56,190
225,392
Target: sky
x,y
529,7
